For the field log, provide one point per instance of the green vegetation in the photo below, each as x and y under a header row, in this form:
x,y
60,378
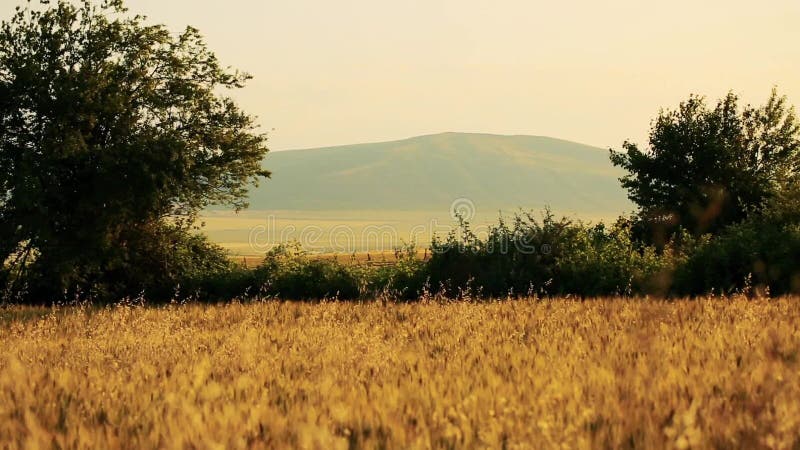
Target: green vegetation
x,y
533,257
759,254
707,168
726,220
113,135
546,257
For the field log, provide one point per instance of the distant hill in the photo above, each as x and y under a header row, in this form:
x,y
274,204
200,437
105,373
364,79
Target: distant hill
x,y
427,173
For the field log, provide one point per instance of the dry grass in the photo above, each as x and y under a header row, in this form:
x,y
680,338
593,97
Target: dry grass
x,y
524,374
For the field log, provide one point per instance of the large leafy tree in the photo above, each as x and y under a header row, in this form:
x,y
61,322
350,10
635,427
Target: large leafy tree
x,y
708,167
114,133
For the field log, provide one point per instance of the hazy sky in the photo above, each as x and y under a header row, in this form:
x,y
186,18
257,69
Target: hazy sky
x,y
346,71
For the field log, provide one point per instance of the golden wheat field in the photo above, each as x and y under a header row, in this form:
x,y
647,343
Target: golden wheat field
x,y
605,373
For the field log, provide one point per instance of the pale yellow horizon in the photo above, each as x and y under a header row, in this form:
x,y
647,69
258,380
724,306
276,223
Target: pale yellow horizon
x,y
330,73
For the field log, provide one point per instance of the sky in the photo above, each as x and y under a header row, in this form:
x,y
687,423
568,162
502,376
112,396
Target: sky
x,y
328,73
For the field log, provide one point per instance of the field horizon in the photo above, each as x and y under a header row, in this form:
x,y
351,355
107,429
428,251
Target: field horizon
x,y
253,232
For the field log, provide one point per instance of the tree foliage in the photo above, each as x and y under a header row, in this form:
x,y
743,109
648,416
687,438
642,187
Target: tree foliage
x,y
112,131
709,167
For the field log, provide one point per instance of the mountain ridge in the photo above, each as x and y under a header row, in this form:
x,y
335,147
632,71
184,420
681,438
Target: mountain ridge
x,y
429,172
441,133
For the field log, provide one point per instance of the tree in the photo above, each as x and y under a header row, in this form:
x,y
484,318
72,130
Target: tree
x,y
113,134
707,168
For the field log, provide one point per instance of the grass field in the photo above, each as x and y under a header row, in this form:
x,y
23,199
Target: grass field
x,y
252,233
607,373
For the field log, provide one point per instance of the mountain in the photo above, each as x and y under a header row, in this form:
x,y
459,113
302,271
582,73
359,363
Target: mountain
x,y
427,173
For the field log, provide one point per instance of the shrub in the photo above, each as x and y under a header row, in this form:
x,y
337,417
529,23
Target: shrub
x,y
511,258
759,253
406,279
548,257
288,272
155,263
602,261
223,285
